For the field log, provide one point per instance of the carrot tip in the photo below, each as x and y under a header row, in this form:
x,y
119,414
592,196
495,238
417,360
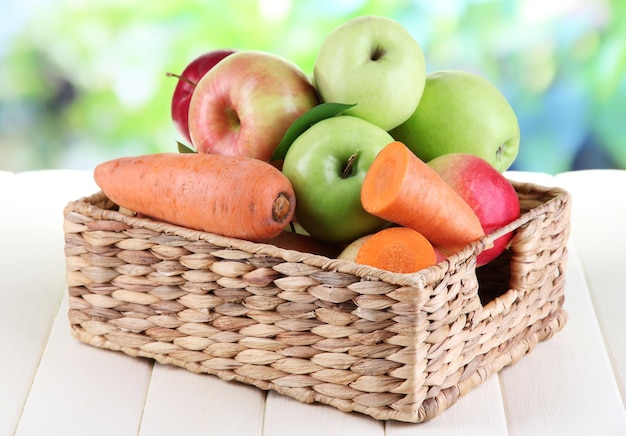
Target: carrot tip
x,y
281,209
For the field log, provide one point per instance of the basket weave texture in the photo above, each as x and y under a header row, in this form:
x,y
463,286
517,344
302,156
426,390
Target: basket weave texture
x,y
399,347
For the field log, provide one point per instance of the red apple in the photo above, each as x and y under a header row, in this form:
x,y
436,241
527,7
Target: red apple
x,y
246,103
187,82
486,190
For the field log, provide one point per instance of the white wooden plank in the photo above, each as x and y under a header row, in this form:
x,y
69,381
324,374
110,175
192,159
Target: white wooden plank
x,y
32,274
582,399
77,389
480,412
599,203
285,416
565,386
80,389
180,402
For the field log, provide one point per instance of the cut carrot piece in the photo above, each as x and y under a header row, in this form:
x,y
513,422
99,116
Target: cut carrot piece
x,y
397,249
401,188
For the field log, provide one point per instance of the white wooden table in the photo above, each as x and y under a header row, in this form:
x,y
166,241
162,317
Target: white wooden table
x,y
52,384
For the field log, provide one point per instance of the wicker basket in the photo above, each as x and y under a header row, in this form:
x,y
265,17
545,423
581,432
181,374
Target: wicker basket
x,y
393,346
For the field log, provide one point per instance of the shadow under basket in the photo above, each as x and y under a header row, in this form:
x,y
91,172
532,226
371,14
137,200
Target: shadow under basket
x,y
393,346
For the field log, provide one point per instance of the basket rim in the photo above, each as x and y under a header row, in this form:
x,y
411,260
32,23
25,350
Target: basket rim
x,y
419,279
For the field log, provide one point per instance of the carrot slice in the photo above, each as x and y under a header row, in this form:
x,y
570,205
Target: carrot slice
x,y
397,249
232,196
401,188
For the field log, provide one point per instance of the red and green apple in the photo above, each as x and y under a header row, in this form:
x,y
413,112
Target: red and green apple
x,y
245,104
488,192
187,82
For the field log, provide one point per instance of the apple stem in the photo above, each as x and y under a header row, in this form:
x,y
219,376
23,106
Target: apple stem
x,y
377,54
348,168
179,77
499,152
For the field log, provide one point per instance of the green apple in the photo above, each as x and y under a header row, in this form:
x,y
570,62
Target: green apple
x,y
376,63
462,112
352,249
326,166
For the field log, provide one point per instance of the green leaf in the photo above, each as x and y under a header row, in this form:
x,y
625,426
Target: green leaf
x,y
306,120
182,148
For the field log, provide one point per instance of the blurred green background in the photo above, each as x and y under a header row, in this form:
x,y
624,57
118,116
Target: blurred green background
x,y
82,81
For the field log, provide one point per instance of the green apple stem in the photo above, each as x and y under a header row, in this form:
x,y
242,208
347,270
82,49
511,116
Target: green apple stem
x,y
179,77
348,168
377,53
500,152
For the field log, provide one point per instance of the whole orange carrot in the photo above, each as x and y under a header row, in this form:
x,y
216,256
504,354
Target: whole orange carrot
x,y
397,249
401,188
237,197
